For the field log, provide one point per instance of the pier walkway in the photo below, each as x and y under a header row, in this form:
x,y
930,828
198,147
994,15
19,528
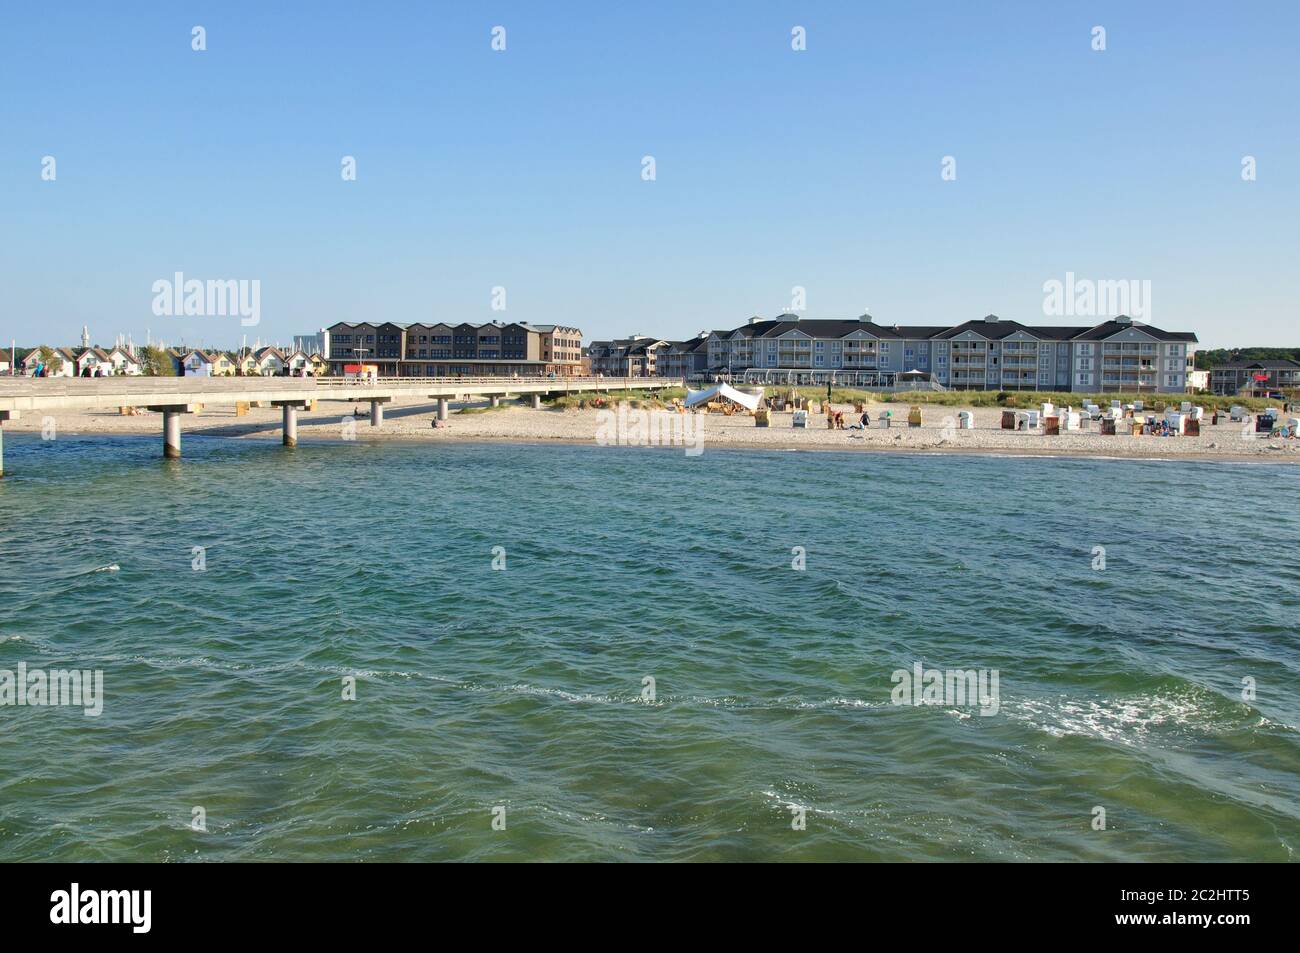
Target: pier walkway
x,y
174,396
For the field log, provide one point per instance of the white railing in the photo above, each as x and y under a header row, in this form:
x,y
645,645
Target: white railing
x,y
557,383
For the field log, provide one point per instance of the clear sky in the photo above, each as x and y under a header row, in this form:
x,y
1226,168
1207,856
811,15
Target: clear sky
x,y
523,169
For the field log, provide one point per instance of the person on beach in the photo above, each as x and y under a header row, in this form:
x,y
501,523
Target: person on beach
x,y
866,420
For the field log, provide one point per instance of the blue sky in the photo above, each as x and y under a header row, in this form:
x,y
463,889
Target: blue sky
x,y
522,168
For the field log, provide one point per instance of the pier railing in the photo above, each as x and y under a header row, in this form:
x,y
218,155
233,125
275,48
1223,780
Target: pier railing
x,y
174,397
505,383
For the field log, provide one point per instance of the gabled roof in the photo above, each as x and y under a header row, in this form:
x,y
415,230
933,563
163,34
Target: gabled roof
x,y
1110,328
991,328
825,328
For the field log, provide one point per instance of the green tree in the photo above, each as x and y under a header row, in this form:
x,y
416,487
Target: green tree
x,y
157,362
52,360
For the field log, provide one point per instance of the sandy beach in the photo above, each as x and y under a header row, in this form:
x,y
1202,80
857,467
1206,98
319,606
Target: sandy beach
x,y
518,423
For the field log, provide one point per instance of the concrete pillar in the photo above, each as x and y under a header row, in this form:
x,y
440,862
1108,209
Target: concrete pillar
x,y
376,413
537,402
171,435
442,408
5,415
290,425
496,401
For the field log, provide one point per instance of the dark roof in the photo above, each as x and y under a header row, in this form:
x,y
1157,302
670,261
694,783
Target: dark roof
x,y
823,328
448,324
1108,328
992,328
1276,363
1055,333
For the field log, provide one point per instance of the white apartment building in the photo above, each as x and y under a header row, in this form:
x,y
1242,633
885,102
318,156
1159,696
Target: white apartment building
x,y
985,354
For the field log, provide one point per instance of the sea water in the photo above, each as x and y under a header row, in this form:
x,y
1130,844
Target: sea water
x,y
396,651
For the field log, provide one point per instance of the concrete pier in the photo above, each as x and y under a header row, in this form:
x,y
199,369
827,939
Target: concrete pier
x,y
5,415
173,396
537,402
289,411
290,425
171,414
171,435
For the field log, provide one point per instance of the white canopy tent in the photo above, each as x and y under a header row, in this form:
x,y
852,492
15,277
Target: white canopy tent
x,y
748,401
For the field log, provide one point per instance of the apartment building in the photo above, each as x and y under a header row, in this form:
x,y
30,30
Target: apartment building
x,y
686,359
990,353
1254,377
451,350
635,356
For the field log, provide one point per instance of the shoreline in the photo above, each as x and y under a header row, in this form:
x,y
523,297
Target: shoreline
x,y
410,422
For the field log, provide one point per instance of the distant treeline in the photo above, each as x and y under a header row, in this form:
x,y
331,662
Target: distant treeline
x,y
1207,359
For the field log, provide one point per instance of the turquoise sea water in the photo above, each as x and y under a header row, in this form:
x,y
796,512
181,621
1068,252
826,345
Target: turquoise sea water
x,y
477,688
